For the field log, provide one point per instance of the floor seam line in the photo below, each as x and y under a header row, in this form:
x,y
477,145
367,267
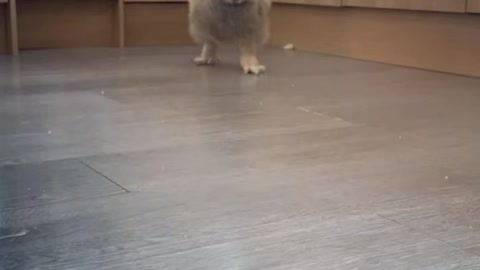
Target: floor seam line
x,y
104,176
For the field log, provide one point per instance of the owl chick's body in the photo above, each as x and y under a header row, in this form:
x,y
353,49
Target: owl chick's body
x,y
241,22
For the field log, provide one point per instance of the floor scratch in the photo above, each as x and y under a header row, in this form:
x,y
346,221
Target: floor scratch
x,y
14,235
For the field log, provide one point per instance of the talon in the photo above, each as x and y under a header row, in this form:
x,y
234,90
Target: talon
x,y
200,61
254,70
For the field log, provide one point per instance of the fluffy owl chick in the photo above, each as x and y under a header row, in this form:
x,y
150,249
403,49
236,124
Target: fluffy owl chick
x,y
241,22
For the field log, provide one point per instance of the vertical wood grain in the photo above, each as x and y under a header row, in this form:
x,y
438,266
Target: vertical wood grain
x,y
3,28
12,27
121,23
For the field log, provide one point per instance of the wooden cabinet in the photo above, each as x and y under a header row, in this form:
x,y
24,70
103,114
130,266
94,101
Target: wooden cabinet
x,y
473,6
333,3
428,5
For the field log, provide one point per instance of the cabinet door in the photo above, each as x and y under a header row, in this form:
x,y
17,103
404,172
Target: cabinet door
x,y
334,3
429,5
473,6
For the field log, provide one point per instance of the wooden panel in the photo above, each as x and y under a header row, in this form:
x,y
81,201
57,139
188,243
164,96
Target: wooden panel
x,y
149,24
473,6
120,23
436,41
3,28
335,3
429,5
66,23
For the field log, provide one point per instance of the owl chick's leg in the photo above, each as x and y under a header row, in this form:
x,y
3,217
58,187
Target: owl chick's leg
x,y
208,56
249,60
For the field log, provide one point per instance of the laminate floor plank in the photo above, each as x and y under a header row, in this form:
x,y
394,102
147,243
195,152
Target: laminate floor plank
x,y
278,233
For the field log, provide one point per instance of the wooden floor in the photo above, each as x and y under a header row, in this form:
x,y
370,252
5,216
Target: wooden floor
x,y
137,159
